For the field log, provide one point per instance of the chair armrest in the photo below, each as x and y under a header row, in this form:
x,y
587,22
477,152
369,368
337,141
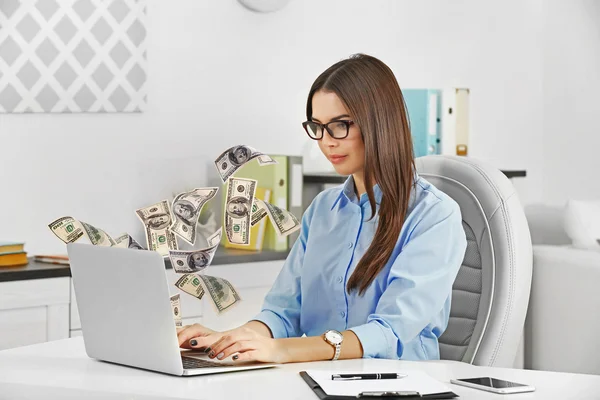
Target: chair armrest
x,y
562,325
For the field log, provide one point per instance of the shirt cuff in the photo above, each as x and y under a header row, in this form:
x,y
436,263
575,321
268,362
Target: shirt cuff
x,y
273,322
374,341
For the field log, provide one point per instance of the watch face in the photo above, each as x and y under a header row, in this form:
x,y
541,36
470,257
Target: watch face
x,y
334,337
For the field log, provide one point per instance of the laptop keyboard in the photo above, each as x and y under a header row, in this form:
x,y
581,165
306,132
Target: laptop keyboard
x,y
194,363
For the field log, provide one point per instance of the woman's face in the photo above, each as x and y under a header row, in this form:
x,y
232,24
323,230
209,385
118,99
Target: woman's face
x,y
347,155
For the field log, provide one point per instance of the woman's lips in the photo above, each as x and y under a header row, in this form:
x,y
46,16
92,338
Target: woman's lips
x,y
337,159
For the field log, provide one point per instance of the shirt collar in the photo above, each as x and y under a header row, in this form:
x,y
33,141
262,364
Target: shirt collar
x,y
349,193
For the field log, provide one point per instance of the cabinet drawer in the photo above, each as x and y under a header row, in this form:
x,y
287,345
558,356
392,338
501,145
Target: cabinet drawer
x,y
34,292
23,326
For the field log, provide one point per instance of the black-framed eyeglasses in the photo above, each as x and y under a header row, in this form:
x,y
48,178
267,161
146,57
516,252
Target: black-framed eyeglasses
x,y
337,129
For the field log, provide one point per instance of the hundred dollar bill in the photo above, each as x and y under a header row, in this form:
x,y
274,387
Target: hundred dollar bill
x,y
234,157
97,236
282,220
222,293
239,200
185,262
190,283
186,209
176,307
258,212
67,229
127,242
157,219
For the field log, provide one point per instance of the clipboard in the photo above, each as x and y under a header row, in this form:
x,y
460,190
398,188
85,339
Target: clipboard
x,y
382,395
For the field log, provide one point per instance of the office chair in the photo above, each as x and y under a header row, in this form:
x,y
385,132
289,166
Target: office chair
x,y
491,292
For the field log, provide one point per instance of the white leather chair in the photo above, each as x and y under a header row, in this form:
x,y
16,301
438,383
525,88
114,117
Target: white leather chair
x,y
491,292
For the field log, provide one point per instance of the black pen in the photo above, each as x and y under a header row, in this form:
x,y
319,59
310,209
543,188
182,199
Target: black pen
x,y
356,377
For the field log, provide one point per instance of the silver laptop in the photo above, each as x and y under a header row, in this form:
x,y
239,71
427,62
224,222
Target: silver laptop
x,y
125,311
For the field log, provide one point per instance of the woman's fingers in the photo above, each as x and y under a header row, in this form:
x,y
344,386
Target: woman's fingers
x,y
227,340
186,334
202,342
251,355
191,332
240,346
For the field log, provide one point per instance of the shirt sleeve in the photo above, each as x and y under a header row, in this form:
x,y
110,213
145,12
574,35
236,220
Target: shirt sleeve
x,y
419,283
281,307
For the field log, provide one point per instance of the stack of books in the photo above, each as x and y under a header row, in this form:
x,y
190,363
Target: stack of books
x,y
12,254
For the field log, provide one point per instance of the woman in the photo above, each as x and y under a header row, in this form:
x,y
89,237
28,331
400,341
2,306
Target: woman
x,y
371,273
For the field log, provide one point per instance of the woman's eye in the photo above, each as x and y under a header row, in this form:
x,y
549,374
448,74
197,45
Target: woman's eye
x,y
339,125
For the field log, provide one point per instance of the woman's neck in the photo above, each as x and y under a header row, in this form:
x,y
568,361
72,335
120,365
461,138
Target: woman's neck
x,y
359,183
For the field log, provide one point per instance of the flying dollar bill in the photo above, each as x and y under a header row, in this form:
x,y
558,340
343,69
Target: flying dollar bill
x,y
186,209
97,236
67,229
185,262
176,307
190,284
70,230
222,292
157,220
238,204
258,212
127,242
282,220
235,157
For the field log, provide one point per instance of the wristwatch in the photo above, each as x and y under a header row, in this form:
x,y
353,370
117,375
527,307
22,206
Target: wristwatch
x,y
335,339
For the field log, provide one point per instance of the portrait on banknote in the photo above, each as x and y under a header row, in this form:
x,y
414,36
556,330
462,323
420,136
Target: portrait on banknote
x,y
198,260
158,221
239,155
185,210
238,206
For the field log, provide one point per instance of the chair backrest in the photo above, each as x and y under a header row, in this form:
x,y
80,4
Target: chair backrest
x,y
491,292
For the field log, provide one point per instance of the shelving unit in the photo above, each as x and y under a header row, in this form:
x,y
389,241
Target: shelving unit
x,y
315,183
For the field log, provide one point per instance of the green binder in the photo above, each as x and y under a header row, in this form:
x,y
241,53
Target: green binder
x,y
284,179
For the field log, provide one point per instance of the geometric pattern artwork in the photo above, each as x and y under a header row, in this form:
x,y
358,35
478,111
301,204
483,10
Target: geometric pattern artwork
x,y
65,56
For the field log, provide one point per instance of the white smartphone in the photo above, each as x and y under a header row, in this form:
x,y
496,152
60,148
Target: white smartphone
x,y
493,385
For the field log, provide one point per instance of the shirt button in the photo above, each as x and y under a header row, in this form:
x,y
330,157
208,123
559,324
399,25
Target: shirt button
x,y
350,245
343,314
340,279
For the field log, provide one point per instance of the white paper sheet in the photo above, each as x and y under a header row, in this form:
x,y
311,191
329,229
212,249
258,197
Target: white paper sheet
x,y
416,380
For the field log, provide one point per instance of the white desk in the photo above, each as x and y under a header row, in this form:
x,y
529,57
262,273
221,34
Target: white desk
x,y
62,370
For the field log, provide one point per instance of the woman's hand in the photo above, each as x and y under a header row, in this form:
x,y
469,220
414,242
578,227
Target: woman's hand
x,y
196,336
247,345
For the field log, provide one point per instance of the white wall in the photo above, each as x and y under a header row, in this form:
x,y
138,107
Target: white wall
x,y
220,75
571,100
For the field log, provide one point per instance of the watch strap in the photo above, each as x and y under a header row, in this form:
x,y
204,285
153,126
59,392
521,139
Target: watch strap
x,y
338,348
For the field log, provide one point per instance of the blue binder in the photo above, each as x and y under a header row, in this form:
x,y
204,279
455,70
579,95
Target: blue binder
x,y
424,108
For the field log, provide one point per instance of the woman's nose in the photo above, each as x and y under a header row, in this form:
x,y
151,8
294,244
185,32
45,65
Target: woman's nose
x,y
328,140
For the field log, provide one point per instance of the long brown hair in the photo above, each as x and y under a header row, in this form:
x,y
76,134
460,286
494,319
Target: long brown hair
x,y
370,92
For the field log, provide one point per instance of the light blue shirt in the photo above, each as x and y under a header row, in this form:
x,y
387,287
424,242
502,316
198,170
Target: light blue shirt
x,y
406,308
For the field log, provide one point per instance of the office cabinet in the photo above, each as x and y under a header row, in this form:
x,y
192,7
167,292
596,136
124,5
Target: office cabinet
x,y
252,281
33,311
